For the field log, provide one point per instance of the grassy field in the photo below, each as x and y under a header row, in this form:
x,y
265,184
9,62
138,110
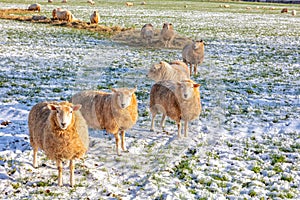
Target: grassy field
x,y
245,144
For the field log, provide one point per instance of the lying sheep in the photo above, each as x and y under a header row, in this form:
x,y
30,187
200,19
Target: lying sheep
x,y
129,4
147,33
35,7
64,1
284,10
94,18
294,12
116,111
167,34
91,2
177,100
164,71
60,131
62,15
193,54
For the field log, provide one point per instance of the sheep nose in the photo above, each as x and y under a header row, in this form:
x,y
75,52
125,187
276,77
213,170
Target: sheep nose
x,y
123,105
185,95
63,124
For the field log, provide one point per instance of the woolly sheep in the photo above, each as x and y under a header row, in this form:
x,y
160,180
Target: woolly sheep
x,y
177,100
91,2
116,112
147,33
60,131
167,34
129,4
50,1
294,12
94,17
35,7
284,10
193,54
164,71
64,15
64,1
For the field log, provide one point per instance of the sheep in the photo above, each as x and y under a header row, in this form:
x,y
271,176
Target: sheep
x,y
91,2
284,10
64,1
35,7
60,131
94,18
294,12
177,100
129,4
50,1
64,15
164,71
193,54
115,112
147,33
38,17
167,34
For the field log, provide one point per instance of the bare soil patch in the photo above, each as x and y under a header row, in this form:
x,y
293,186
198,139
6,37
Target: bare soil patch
x,y
133,38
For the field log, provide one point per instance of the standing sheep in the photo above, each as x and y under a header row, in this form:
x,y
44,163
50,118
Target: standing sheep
x,y
167,34
95,17
34,7
294,12
193,54
60,131
116,111
178,100
62,15
147,33
177,71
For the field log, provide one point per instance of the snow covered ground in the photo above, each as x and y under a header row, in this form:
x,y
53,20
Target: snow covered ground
x,y
246,143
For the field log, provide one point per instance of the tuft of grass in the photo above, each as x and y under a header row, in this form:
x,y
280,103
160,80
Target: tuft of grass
x,y
277,159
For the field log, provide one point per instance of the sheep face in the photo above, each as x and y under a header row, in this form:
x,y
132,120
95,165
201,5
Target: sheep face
x,y
167,26
123,96
186,89
197,44
64,114
154,72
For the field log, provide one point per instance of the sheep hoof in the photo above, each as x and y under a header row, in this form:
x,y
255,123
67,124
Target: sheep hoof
x,y
125,151
151,130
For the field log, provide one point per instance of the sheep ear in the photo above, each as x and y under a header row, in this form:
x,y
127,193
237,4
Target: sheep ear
x,y
196,85
178,83
76,107
133,90
157,66
114,90
52,107
163,63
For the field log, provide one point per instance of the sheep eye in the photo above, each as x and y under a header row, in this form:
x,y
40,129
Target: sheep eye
x,y
57,111
71,111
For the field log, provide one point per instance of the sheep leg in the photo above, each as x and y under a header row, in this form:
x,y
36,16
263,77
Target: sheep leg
x,y
35,164
117,137
191,68
72,178
195,69
123,141
152,121
179,129
60,168
186,124
163,120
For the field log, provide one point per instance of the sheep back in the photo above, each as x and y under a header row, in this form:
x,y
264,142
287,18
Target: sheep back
x,y
163,99
165,71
